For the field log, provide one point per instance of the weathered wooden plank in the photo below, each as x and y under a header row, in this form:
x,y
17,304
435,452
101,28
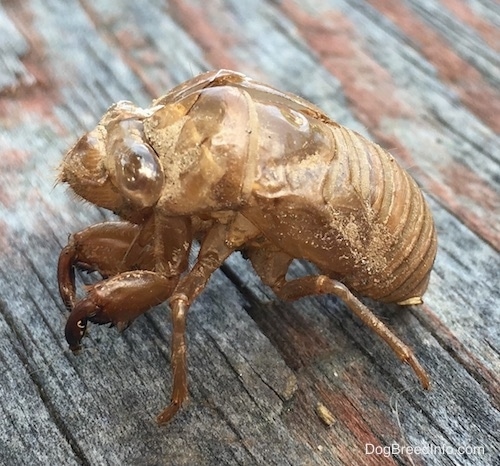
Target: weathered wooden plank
x,y
372,66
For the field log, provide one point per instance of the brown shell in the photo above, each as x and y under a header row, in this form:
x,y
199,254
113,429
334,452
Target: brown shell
x,y
239,165
314,188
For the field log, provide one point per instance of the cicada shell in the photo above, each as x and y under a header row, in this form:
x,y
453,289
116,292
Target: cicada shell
x,y
239,165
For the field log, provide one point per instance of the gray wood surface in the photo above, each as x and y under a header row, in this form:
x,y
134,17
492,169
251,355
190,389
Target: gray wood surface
x,y
421,77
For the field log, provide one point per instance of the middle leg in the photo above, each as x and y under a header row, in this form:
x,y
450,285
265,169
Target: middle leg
x,y
220,241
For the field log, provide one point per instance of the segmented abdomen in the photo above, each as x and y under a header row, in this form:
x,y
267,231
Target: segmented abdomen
x,y
390,229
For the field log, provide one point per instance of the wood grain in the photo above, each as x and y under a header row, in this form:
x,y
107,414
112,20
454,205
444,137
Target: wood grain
x,y
420,77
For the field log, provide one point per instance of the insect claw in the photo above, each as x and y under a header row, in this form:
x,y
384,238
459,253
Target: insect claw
x,y
168,413
122,326
77,322
66,276
420,371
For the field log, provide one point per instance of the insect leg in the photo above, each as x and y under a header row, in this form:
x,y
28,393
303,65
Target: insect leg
x,y
321,284
108,248
179,308
272,266
118,300
213,252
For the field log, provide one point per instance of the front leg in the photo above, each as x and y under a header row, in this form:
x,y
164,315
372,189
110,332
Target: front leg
x,y
159,248
118,300
109,248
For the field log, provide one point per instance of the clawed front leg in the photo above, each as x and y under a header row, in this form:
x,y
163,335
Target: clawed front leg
x,y
117,250
108,248
118,300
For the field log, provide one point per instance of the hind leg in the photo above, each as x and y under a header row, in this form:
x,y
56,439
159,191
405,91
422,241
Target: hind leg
x,y
272,266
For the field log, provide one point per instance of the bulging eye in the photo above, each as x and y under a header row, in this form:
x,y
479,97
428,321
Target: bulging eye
x,y
139,174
